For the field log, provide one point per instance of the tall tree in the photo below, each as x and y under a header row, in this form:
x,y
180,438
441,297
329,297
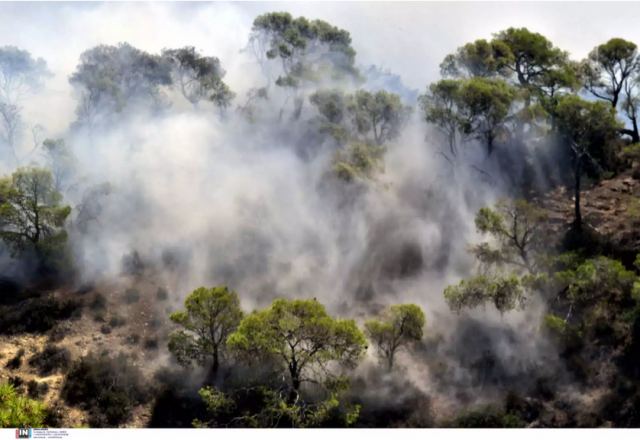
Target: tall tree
x,y
20,74
210,316
589,129
608,68
301,53
485,106
440,106
399,326
109,78
198,77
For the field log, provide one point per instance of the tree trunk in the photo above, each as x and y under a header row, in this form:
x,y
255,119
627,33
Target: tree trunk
x,y
577,175
390,362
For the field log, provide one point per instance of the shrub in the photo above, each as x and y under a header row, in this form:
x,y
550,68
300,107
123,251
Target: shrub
x,y
35,315
131,296
105,329
117,321
15,362
162,294
99,303
16,410
37,389
108,388
50,360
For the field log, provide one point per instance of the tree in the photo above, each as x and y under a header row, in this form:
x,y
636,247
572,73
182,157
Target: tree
x,y
440,106
608,68
505,292
379,114
110,77
31,213
480,58
302,338
20,74
610,73
210,316
303,53
531,56
306,49
18,411
517,228
485,106
198,77
358,160
589,128
398,327
60,161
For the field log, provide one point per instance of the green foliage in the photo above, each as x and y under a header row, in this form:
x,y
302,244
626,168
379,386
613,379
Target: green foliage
x,y
517,230
555,324
358,160
301,337
198,77
308,51
597,278
480,58
479,108
378,115
608,68
109,77
590,127
399,326
210,316
505,292
31,214
18,411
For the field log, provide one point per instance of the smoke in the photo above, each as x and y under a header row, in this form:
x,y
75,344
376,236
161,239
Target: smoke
x,y
204,199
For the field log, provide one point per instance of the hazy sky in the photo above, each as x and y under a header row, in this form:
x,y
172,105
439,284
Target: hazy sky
x,y
408,38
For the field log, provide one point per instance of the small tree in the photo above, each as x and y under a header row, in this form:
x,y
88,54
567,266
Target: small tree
x,y
31,213
398,327
379,114
210,316
516,226
302,338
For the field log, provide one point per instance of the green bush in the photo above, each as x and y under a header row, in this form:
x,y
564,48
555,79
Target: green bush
x,y
16,410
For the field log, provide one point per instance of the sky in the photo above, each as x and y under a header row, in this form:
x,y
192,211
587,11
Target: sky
x,y
408,38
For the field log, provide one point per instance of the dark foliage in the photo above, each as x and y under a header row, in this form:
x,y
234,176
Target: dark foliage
x,y
50,360
108,388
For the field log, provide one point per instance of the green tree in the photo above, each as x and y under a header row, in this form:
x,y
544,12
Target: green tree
x,y
210,316
399,326
302,338
517,231
531,56
302,52
608,67
109,78
480,58
506,292
610,73
198,77
18,411
358,160
589,130
306,49
440,106
31,213
485,106
379,115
